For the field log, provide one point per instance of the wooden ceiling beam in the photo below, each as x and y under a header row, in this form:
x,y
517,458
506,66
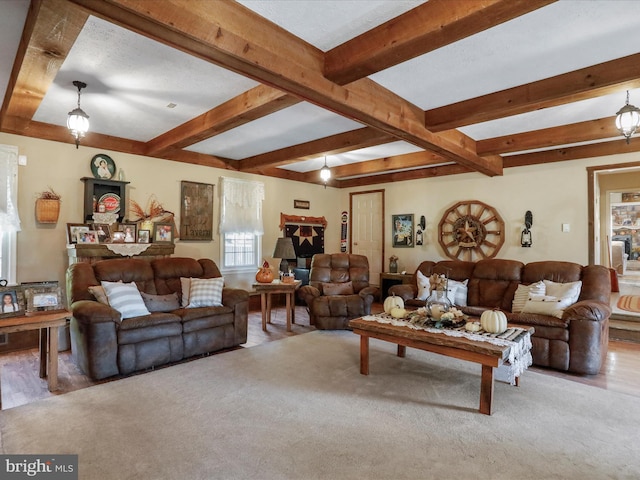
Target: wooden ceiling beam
x,y
430,172
548,137
332,145
394,162
51,28
250,105
423,29
593,81
202,31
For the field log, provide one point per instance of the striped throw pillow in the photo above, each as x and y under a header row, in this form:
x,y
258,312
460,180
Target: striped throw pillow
x,y
125,298
524,292
206,292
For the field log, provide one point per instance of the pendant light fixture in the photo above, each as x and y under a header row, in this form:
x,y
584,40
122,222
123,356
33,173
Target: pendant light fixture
x,y
325,173
78,120
628,119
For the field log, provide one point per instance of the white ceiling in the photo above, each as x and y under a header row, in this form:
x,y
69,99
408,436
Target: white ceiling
x,y
132,79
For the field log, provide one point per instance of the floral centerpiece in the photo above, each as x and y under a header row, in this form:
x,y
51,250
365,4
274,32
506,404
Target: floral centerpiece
x,y
155,213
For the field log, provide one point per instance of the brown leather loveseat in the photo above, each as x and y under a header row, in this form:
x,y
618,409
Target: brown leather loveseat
x,y
577,342
104,344
338,290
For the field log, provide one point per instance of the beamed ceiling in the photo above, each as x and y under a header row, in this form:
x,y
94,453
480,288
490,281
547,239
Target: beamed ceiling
x,y
385,90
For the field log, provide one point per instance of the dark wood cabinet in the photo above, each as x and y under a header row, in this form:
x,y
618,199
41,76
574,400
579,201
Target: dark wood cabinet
x,y
388,280
97,188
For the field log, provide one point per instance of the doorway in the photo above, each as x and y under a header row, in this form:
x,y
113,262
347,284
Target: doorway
x,y
366,224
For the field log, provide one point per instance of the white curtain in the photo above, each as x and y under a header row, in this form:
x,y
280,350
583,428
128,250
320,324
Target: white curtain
x,y
241,206
9,220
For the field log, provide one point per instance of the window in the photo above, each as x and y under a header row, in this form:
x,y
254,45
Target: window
x,y
241,223
9,220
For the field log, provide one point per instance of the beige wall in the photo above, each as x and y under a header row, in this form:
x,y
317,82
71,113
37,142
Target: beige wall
x,y
555,193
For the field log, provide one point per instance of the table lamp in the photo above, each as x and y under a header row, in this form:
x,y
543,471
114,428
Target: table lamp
x,y
284,250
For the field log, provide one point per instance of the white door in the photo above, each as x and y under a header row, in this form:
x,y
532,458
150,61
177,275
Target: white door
x,y
367,230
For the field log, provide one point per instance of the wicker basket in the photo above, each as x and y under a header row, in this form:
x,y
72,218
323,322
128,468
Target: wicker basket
x,y
47,211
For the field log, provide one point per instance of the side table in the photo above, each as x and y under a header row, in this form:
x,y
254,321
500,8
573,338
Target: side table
x,y
387,280
48,324
267,289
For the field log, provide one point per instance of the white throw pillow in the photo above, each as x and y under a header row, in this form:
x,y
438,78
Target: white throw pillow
x,y
457,292
206,292
185,286
423,286
523,292
569,290
547,305
125,298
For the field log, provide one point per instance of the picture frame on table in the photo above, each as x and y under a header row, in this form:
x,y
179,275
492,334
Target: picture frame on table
x,y
90,236
103,231
163,232
402,231
41,297
129,230
73,229
144,236
117,237
12,303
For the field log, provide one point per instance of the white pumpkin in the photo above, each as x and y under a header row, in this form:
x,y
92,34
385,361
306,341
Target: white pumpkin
x,y
392,302
472,326
493,321
397,312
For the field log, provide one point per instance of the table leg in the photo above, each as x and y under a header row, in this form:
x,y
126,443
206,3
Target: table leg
x,y
402,351
263,306
364,355
44,332
268,307
486,389
288,302
293,307
53,359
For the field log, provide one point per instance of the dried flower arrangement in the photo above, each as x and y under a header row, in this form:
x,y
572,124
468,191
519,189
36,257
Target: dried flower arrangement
x,y
393,258
50,194
155,209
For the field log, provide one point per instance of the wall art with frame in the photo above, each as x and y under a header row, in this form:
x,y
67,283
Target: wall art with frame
x,y
402,230
196,211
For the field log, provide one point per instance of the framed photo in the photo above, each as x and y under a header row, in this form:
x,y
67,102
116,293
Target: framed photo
x,y
73,229
144,236
305,204
103,231
402,230
196,211
129,230
90,236
162,232
43,297
117,237
103,167
12,304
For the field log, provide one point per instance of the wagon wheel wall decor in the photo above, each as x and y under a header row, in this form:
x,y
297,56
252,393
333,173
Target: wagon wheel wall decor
x,y
471,230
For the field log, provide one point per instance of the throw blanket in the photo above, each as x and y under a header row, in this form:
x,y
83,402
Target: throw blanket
x,y
518,339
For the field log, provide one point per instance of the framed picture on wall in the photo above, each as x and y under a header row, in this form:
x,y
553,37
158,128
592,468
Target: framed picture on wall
x,y
402,230
196,211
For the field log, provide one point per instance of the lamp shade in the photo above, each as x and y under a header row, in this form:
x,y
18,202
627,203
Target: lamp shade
x,y
284,248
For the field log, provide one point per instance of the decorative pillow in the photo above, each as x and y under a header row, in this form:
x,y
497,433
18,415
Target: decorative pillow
x,y
570,290
125,298
99,293
424,286
161,303
523,292
206,292
345,288
185,285
457,292
546,305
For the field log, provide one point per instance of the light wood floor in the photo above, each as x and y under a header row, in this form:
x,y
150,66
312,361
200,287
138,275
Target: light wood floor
x,y
21,383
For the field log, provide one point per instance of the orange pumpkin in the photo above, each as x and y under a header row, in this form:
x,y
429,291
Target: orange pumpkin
x,y
264,275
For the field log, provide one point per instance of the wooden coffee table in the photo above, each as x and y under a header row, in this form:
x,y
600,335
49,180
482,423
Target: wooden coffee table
x,y
486,354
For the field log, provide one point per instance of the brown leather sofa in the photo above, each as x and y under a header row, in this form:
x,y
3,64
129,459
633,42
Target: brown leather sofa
x,y
335,271
577,342
104,346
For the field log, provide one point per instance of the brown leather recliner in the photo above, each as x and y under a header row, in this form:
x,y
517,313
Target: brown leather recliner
x,y
338,290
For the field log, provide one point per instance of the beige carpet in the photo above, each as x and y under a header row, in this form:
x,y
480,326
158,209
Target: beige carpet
x,y
298,408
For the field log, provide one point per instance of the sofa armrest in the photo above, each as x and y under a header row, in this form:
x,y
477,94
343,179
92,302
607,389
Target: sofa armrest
x,y
369,291
405,291
89,311
308,293
587,310
232,296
